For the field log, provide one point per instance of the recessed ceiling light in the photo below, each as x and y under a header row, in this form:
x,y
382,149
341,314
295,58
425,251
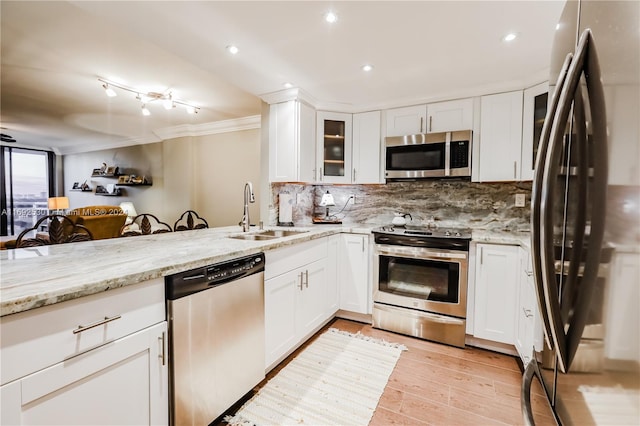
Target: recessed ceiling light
x,y
288,85
367,67
510,37
233,49
330,17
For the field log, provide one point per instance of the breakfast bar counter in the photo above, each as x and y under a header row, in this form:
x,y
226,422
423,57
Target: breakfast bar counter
x,y
40,276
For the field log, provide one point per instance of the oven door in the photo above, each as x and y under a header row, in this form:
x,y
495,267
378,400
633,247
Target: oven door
x,y
432,280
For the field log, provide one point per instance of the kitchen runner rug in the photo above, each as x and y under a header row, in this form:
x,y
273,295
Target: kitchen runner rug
x,y
336,380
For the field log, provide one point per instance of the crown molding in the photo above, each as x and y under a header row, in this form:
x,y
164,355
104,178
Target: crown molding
x,y
185,130
293,94
75,149
212,128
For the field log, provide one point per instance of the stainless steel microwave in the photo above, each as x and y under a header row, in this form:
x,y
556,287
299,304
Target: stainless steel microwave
x,y
428,155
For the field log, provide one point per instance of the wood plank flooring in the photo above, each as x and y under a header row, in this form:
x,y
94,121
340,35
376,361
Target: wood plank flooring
x,y
436,384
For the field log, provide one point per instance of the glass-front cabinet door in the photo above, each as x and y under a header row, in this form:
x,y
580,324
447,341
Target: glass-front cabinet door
x,y
334,147
533,114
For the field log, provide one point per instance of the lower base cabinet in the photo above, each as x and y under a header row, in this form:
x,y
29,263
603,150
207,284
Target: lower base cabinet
x,y
527,313
296,301
497,279
353,274
120,383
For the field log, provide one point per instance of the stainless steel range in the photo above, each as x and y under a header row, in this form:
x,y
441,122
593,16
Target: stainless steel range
x,y
421,286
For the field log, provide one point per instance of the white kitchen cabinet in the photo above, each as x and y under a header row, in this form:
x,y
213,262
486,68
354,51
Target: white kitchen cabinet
x,y
450,116
292,152
123,382
312,297
333,290
622,318
496,286
102,356
354,278
534,110
528,332
406,120
296,296
500,138
367,148
334,136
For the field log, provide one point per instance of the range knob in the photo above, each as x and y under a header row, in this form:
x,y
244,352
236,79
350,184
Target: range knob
x,y
447,234
458,234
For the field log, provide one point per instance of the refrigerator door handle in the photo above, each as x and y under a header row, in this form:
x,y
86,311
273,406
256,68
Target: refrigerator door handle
x,y
566,340
525,392
536,197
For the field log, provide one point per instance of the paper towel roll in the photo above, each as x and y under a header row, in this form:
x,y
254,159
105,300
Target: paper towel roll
x,y
285,210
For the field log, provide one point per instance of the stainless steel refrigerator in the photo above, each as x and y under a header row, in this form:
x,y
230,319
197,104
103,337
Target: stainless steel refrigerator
x,y
584,214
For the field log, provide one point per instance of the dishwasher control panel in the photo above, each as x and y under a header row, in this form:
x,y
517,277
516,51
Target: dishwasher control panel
x,y
199,279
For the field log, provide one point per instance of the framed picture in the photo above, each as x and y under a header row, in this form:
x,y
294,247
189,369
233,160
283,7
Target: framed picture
x,y
111,170
123,179
97,172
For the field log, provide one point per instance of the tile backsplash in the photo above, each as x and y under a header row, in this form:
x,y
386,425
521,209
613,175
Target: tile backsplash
x,y
449,203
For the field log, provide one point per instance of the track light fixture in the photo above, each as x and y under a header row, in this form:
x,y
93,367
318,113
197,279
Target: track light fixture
x,y
167,99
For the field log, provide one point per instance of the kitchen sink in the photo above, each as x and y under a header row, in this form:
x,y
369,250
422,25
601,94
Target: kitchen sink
x,y
280,233
266,235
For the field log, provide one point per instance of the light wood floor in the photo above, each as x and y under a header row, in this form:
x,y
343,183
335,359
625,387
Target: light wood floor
x,y
436,384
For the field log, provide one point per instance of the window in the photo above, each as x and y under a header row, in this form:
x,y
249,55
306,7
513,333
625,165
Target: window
x,y
26,181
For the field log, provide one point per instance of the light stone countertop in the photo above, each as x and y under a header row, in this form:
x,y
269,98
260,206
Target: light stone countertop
x,y
40,276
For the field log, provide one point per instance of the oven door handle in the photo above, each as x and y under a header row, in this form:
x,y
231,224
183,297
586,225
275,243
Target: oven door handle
x,y
421,253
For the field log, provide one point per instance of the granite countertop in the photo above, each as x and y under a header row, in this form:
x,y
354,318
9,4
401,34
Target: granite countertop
x,y
39,276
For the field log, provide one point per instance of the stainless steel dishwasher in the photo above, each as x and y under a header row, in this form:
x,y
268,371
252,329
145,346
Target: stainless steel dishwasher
x,y
216,337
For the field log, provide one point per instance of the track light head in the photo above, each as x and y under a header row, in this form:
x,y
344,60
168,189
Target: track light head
x,y
109,91
145,110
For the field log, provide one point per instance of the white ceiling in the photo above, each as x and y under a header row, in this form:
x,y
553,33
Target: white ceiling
x,y
54,52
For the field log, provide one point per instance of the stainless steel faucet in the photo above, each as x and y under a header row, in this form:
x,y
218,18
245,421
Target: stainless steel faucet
x,y
248,198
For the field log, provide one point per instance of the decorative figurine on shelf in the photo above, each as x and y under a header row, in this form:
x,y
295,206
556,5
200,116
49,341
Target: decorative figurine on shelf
x,y
85,186
103,169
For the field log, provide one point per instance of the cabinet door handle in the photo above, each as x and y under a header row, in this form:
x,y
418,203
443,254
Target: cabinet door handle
x,y
301,282
320,174
363,244
527,312
162,351
306,278
354,175
421,120
481,253
515,169
82,328
430,122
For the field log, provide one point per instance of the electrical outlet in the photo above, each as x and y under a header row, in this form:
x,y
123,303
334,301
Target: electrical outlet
x,y
520,200
352,198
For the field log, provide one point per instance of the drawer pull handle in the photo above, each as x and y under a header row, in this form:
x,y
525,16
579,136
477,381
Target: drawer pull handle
x,y
81,328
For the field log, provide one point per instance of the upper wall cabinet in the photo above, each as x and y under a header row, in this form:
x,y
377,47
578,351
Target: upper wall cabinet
x,y
499,153
432,118
292,142
406,121
450,116
367,148
334,147
534,111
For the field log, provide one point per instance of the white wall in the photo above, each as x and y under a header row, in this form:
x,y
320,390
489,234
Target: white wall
x,y
203,173
223,163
